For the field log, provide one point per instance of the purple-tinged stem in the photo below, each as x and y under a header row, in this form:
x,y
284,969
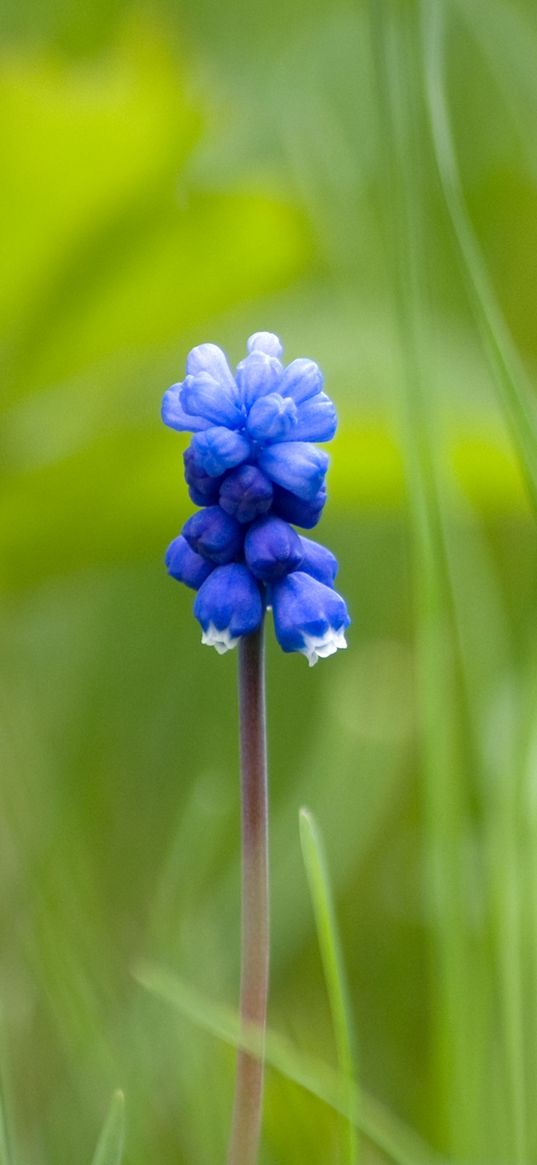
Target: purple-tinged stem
x,y
246,1127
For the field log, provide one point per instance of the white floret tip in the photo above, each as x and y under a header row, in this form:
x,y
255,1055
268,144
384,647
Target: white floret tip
x,y
320,647
221,640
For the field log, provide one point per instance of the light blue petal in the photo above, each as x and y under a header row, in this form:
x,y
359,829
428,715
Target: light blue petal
x,y
295,465
204,396
174,415
258,375
265,342
301,379
272,418
210,358
316,420
218,449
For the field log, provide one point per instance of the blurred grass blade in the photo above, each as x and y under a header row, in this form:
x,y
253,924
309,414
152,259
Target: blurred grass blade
x,y
514,391
323,908
6,1157
109,1149
398,1143
455,1024
9,1153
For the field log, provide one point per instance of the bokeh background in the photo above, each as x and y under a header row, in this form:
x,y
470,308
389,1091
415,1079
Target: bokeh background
x,y
359,178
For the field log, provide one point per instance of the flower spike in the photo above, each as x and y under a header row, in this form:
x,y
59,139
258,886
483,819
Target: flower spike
x,y
253,468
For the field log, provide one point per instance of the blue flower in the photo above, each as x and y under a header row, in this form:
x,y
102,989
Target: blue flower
x,y
255,471
228,605
308,616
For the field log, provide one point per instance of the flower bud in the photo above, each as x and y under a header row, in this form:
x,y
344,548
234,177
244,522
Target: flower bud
x,y
272,548
214,534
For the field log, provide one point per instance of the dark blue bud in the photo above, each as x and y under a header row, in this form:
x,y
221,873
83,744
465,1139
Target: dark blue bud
x,y
203,490
219,449
318,561
296,510
246,493
308,616
227,606
185,565
272,417
214,534
272,548
295,465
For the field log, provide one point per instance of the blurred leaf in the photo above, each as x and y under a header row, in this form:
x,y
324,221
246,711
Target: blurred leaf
x,y
382,1129
109,1149
123,250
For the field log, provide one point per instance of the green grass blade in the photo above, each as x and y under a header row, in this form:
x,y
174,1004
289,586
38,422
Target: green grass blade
x,y
455,1071
109,1149
323,908
511,382
398,1143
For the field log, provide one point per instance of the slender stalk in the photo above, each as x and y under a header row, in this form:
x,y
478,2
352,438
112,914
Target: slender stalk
x,y
255,898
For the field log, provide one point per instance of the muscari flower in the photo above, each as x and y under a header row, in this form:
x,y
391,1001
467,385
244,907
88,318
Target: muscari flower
x,y
253,467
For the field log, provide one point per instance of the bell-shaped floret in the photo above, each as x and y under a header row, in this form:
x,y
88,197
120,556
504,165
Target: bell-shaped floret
x,y
301,513
318,561
295,465
185,565
265,342
174,414
272,418
301,379
308,616
246,493
214,534
227,606
218,449
257,375
272,548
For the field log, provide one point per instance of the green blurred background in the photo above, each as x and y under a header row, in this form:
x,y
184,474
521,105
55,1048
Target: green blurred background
x,y
175,172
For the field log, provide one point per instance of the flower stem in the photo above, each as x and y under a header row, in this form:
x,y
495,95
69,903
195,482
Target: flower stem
x,y
255,898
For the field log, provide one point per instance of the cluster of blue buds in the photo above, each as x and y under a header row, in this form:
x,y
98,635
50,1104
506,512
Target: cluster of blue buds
x,y
253,468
